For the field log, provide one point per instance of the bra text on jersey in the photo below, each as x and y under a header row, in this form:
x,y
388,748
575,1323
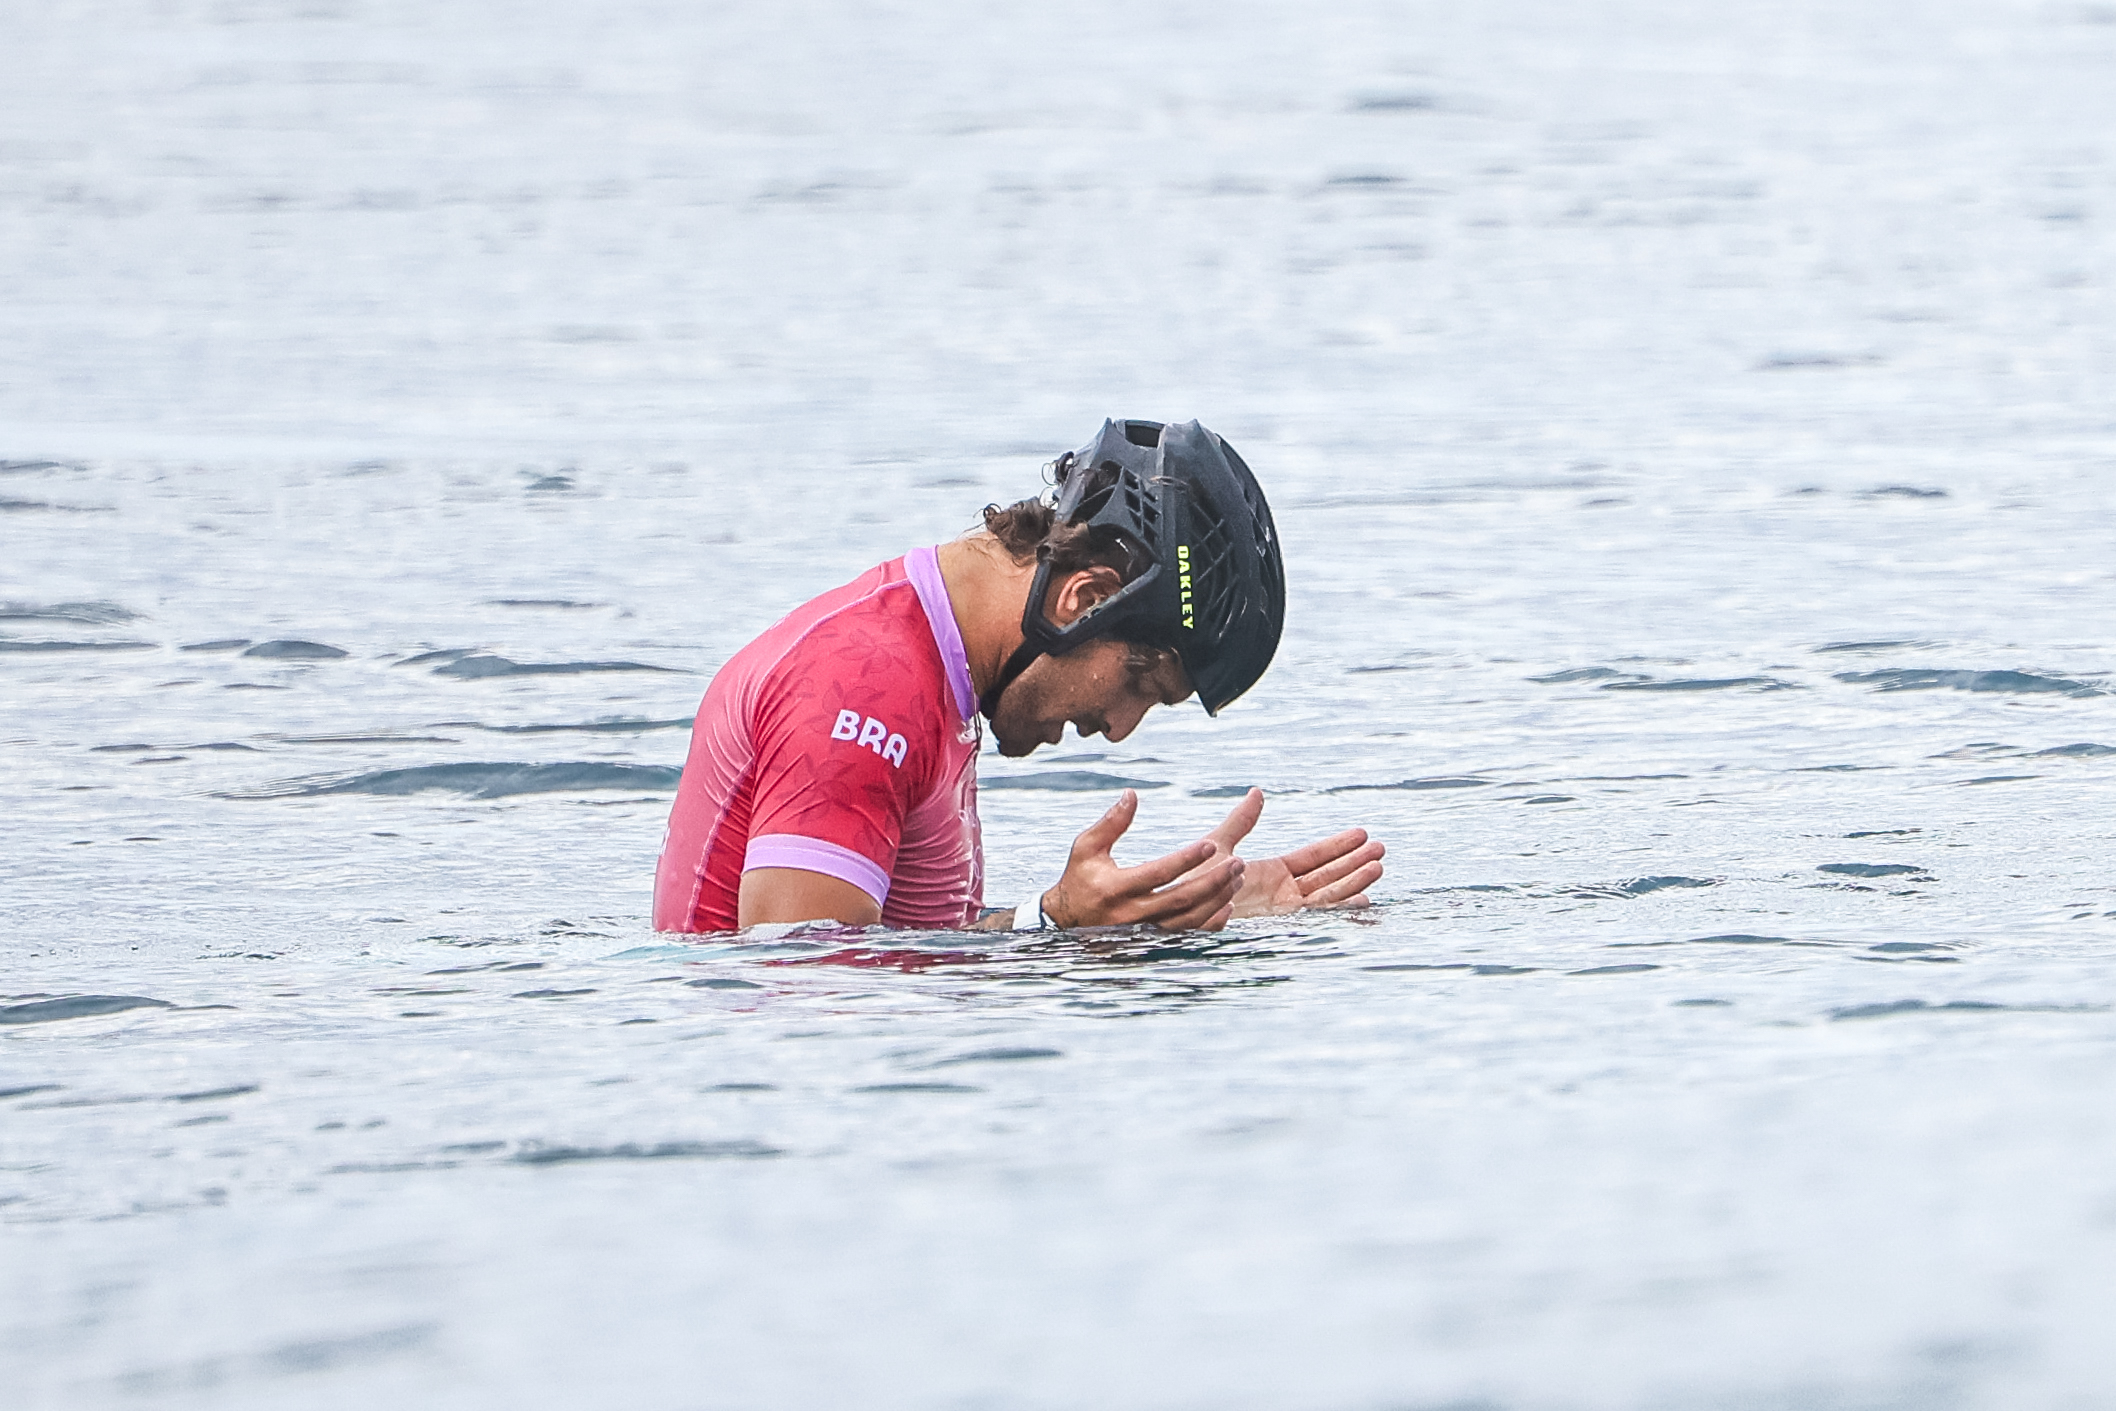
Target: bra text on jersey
x,y
871,733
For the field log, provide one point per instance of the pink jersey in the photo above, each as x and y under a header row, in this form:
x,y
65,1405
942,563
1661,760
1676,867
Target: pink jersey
x,y
842,741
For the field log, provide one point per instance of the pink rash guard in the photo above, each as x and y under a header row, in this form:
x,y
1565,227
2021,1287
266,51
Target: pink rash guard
x,y
842,741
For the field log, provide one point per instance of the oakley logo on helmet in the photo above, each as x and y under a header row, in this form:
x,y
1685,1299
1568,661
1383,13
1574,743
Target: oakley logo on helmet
x,y
870,733
1183,579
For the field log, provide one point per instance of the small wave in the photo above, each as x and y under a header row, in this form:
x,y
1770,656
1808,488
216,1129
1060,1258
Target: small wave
x,y
1724,683
1457,965
1902,492
1959,1006
19,505
1791,362
1069,781
997,1055
12,644
357,737
1456,782
477,781
1730,939
618,725
1920,679
1584,673
218,644
213,1094
538,1154
2079,751
1642,886
477,667
98,614
1878,645
1394,103
1614,970
45,1011
540,603
295,649
1869,869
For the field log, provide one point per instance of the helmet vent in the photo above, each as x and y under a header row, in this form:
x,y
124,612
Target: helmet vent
x,y
1266,537
1144,511
1214,575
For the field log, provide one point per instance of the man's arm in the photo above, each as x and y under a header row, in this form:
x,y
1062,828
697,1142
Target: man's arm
x,y
790,894
1192,888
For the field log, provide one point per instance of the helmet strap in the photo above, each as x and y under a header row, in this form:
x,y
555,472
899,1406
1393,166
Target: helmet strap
x,y
1024,655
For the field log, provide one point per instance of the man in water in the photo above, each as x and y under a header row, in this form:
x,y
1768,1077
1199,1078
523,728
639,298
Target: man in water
x,y
833,765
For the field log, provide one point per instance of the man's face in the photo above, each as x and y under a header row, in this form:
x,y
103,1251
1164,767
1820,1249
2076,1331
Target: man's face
x,y
1094,688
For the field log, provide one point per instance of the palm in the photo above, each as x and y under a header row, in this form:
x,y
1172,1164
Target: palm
x,y
1336,871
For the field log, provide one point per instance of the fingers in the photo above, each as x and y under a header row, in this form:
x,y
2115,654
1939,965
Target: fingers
x,y
1340,868
1239,821
1100,836
1201,902
1163,870
1349,892
1313,855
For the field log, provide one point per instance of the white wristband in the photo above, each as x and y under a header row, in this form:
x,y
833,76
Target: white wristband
x,y
1029,915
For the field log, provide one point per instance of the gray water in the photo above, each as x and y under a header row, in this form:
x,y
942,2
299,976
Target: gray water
x,y
1690,428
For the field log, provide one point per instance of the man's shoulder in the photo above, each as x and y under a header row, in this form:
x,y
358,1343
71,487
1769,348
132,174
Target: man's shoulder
x,y
859,684
866,646
874,624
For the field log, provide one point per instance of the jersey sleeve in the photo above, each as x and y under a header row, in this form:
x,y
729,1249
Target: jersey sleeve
x,y
840,760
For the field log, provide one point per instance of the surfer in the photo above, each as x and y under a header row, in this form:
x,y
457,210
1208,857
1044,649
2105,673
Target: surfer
x,y
833,765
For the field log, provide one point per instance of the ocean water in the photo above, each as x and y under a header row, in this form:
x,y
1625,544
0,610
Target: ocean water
x,y
1691,430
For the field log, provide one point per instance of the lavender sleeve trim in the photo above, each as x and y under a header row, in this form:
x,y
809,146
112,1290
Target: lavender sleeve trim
x,y
922,567
815,855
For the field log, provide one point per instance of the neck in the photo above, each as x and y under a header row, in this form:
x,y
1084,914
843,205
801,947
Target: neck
x,y
986,590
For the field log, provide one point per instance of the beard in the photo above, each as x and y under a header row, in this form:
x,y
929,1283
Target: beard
x,y
1015,728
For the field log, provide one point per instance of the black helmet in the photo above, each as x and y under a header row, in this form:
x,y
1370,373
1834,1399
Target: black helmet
x,y
1212,587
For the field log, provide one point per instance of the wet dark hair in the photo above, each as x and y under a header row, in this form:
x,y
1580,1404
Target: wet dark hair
x,y
1027,529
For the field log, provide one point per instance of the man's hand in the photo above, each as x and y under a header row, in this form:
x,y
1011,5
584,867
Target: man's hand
x,y
1334,872
1191,889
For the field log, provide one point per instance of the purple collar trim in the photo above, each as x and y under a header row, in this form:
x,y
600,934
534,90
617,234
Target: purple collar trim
x,y
922,567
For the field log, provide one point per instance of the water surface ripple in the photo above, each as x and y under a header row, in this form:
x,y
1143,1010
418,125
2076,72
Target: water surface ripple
x,y
1689,427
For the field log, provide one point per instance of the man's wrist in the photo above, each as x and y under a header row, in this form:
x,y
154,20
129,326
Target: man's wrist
x,y
1030,915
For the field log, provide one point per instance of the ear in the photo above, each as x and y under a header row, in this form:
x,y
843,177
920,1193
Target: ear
x,y
1078,592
